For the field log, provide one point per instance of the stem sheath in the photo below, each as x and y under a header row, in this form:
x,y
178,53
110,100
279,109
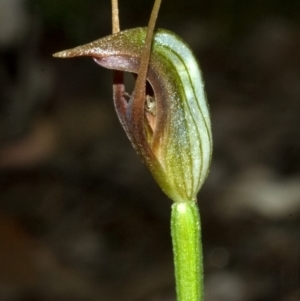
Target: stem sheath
x,y
187,249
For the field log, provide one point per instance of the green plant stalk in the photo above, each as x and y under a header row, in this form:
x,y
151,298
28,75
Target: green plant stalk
x,y
187,250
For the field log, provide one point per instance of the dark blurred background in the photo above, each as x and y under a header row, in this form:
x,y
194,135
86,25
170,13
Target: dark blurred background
x,y
80,216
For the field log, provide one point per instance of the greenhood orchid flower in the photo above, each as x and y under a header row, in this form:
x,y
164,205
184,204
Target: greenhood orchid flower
x,y
170,126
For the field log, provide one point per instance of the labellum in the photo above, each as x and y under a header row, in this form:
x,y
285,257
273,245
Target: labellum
x,y
169,125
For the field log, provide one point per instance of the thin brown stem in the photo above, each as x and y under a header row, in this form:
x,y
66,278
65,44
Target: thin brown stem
x,y
140,85
115,16
118,77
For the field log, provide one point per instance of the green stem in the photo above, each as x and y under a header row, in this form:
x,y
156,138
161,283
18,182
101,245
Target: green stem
x,y
187,249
